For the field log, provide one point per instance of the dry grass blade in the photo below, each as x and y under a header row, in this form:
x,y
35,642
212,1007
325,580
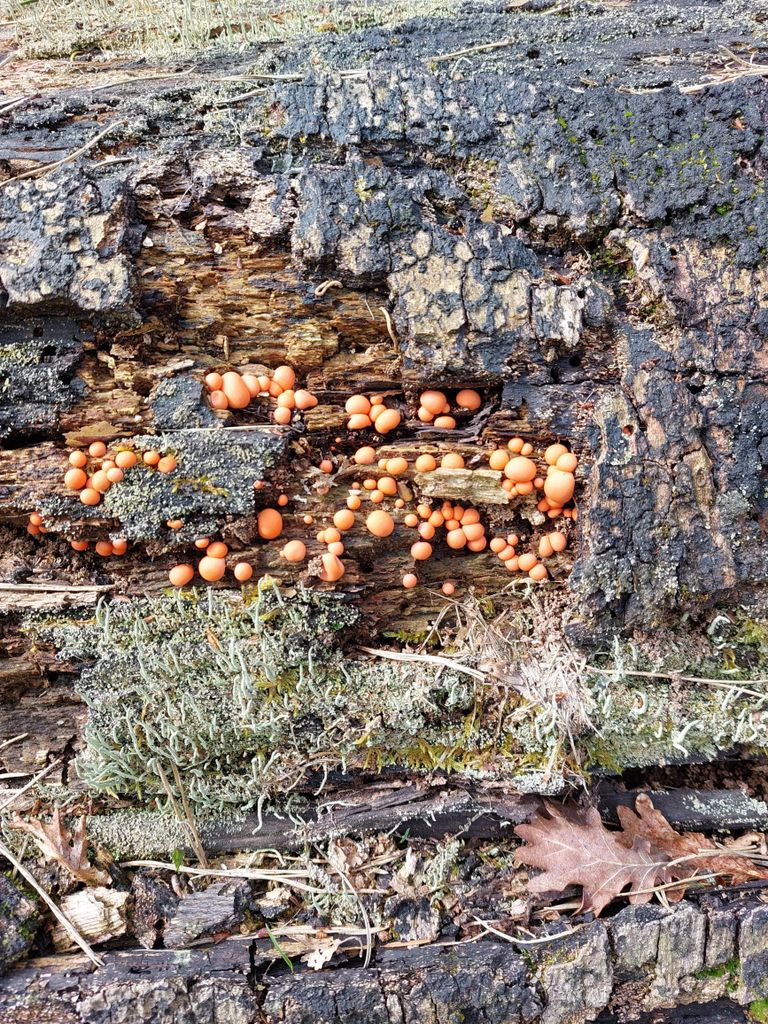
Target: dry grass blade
x,y
57,913
287,877
37,172
431,659
32,782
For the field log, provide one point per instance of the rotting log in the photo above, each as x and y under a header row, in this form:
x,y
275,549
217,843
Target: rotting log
x,y
572,222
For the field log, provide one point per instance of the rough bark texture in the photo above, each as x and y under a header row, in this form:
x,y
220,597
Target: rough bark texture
x,y
642,958
575,223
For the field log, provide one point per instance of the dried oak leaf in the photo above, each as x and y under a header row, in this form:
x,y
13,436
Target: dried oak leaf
x,y
573,847
650,824
70,849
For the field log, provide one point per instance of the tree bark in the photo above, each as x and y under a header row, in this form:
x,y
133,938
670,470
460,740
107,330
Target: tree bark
x,y
562,207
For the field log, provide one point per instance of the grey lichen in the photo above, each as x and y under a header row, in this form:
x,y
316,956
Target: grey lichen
x,y
177,403
214,479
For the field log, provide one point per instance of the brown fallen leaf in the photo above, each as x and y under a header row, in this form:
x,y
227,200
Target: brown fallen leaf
x,y
573,847
70,849
703,855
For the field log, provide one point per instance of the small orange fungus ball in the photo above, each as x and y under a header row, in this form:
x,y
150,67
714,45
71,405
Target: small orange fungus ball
x,y
387,420
432,401
211,569
181,575
282,500
473,531
36,519
538,572
233,386
344,519
567,462
124,460
336,547
243,572
520,469
425,464
397,466
527,449
468,399
282,416
507,553
477,545
553,453
425,415
284,376
251,381
559,487
498,459
79,545
270,523
411,520
380,523
331,535
74,479
527,561
448,588
456,539
515,445
115,475
287,400
358,421
353,502
275,389
545,548
333,568
387,485
525,487
452,461
557,540
103,548
308,519
218,400
377,496
445,423
410,580
217,550
426,530
214,381
78,459
174,524
32,530
151,457
90,496
97,450
357,404
365,456
294,551
326,466
202,543
100,481
305,399
119,546
376,411
498,544
421,550
167,464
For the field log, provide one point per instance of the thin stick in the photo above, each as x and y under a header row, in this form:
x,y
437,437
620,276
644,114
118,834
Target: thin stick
x,y
13,104
431,659
52,588
196,843
390,328
229,101
14,739
675,676
30,784
286,877
483,48
60,916
38,171
527,942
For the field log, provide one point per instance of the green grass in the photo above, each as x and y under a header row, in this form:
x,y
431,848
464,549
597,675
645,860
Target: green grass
x,y
113,28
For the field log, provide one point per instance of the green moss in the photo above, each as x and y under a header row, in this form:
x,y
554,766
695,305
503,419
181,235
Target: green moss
x,y
758,1010
730,969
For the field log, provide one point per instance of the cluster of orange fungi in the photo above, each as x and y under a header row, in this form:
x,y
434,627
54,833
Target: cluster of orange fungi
x,y
369,411
234,390
92,473
435,408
